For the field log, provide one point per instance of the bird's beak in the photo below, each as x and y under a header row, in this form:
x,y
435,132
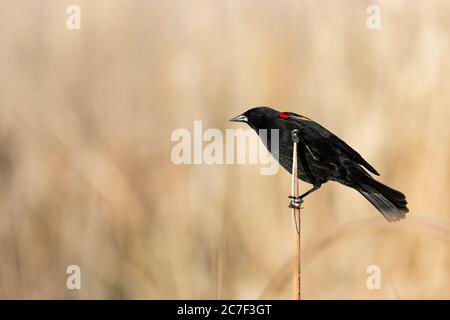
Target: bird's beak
x,y
240,118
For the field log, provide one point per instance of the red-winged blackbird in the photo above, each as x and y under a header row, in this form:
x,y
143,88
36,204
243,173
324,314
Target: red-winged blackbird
x,y
322,157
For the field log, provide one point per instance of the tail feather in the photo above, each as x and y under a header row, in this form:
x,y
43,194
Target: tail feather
x,y
391,203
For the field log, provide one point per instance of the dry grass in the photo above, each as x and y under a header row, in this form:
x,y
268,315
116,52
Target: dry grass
x,y
85,170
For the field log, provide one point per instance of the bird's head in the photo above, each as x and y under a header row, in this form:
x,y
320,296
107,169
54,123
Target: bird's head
x,y
259,117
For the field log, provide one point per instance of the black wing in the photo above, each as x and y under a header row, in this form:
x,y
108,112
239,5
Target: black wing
x,y
331,138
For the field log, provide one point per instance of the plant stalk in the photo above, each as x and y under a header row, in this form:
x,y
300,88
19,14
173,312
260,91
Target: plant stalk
x,y
296,218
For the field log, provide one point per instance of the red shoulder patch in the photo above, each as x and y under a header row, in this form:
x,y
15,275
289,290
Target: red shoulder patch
x,y
283,115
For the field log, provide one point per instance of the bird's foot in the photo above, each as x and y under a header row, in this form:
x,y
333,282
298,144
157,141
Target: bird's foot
x,y
296,202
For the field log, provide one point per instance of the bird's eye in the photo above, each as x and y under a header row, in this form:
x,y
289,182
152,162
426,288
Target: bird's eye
x,y
283,115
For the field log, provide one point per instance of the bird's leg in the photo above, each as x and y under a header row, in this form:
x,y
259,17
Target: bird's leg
x,y
296,202
314,188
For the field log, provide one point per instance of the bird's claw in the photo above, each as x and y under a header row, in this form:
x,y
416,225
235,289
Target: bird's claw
x,y
296,202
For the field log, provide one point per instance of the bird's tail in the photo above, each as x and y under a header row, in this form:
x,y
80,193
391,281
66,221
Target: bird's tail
x,y
391,203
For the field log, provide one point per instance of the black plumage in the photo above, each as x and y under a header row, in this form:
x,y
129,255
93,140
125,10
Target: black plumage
x,y
324,157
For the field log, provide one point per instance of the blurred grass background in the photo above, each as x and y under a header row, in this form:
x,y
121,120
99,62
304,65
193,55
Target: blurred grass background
x,y
85,170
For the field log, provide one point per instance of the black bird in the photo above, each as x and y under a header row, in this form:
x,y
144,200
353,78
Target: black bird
x,y
322,156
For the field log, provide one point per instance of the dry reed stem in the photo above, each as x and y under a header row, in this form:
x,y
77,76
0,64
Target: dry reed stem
x,y
297,283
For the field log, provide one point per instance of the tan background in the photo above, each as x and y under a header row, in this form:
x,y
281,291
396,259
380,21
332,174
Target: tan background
x,y
85,170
